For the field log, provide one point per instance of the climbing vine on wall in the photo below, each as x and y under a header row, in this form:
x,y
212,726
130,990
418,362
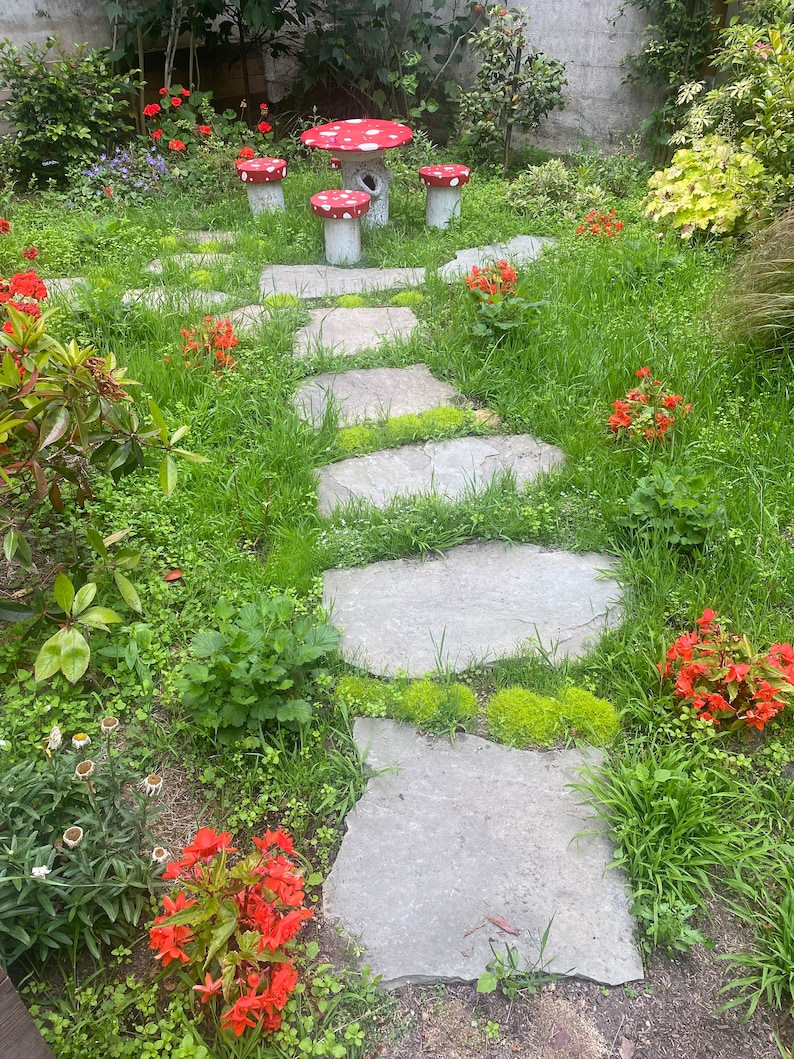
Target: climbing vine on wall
x,y
676,48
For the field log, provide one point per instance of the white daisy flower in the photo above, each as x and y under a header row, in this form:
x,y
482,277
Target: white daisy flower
x,y
153,784
80,740
40,872
55,739
160,855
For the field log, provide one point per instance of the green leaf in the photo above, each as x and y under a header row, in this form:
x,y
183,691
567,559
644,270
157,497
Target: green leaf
x,y
159,421
63,591
84,598
179,434
168,475
75,654
48,660
99,617
11,611
207,643
54,426
96,542
128,592
487,982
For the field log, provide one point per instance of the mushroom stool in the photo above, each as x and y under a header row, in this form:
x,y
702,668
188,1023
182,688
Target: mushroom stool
x,y
341,211
335,163
262,178
444,184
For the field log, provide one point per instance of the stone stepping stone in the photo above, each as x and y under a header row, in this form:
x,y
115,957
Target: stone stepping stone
x,y
476,603
204,236
192,261
373,393
249,317
448,835
447,468
63,286
323,281
519,250
349,331
183,300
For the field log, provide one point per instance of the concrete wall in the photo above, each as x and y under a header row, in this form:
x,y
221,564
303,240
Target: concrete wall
x,y
578,32
581,34
76,21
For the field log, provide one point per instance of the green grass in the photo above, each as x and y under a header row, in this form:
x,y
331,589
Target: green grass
x,y
246,521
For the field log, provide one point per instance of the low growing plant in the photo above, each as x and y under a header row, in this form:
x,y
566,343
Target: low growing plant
x,y
721,677
677,507
228,927
212,340
73,835
436,423
258,669
647,411
500,306
437,707
519,717
602,223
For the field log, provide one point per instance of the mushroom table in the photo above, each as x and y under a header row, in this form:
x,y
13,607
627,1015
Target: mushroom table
x,y
360,144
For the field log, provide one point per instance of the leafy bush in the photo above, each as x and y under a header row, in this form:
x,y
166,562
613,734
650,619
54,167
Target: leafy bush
x,y
65,106
679,507
519,717
128,175
758,298
72,867
514,85
554,187
257,669
711,187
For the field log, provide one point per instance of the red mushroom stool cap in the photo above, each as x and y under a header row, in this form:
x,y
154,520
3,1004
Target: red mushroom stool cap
x,y
444,176
357,134
262,170
335,163
340,205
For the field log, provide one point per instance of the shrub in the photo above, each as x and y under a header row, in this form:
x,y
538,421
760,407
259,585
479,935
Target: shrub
x,y
520,717
65,107
554,187
72,832
257,669
758,300
711,187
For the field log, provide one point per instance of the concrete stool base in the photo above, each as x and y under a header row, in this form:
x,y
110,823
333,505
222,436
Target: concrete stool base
x,y
265,198
443,206
342,241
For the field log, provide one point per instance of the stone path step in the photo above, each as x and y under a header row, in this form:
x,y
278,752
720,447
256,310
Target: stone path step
x,y
373,393
476,603
322,281
190,261
349,331
519,250
447,468
163,297
204,235
451,834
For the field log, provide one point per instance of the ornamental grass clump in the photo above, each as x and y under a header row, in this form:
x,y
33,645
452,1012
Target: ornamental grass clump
x,y
227,927
720,677
647,411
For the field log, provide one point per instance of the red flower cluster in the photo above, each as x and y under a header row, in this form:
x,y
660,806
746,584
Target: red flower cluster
x,y
598,223
23,292
263,896
152,110
246,152
494,281
5,226
30,253
216,337
647,411
264,128
725,679
176,145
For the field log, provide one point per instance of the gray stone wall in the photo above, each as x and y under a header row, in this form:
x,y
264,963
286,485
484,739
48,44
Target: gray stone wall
x,y
581,33
76,21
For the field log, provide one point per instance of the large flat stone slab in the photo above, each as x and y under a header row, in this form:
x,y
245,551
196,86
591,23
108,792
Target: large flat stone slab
x,y
519,250
323,281
451,834
204,235
349,331
63,286
373,393
474,604
447,468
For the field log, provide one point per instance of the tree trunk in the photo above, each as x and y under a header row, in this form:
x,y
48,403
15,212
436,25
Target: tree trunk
x,y
177,10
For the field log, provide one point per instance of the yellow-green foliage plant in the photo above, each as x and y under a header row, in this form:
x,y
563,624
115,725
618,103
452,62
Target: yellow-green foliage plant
x,y
712,187
402,430
520,718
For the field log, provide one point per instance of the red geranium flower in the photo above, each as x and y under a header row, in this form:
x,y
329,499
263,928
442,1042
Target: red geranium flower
x,y
5,226
246,152
151,110
30,253
176,101
176,145
185,93
205,130
263,127
157,134
163,92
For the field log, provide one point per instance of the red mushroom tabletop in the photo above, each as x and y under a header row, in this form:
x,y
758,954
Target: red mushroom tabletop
x,y
340,205
262,170
357,134
444,176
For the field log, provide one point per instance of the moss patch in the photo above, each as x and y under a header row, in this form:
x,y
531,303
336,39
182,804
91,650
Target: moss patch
x,y
519,717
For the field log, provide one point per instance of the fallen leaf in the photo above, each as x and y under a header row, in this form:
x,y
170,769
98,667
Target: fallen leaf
x,y
173,575
627,1048
499,921
560,1040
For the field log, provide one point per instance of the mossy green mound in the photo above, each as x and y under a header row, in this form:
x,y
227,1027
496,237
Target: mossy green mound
x,y
437,423
408,299
519,717
437,707
350,301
